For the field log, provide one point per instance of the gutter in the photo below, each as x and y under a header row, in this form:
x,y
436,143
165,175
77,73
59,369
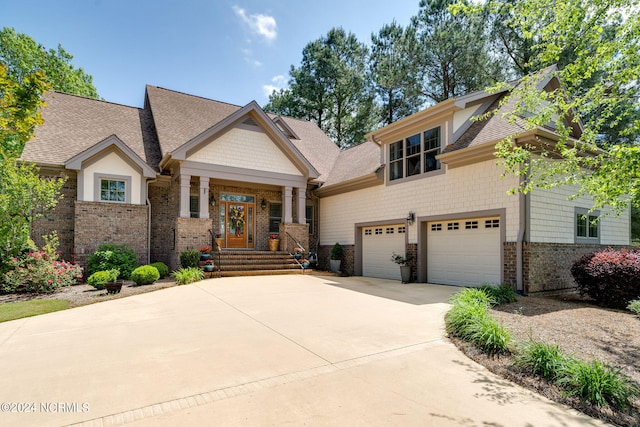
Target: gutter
x,y
522,228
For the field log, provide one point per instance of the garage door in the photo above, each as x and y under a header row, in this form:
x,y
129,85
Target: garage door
x,y
464,252
378,244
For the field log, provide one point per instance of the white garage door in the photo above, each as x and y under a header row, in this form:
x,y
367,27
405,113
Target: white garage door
x,y
464,252
378,244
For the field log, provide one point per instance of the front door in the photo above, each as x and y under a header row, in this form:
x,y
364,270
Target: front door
x,y
239,225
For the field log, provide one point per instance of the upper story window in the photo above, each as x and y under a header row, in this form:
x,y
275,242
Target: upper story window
x,y
587,226
415,155
112,190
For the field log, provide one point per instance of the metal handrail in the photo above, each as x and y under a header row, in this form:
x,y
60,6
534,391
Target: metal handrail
x,y
298,245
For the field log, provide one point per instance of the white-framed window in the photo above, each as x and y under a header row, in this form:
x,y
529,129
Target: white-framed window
x,y
194,206
415,154
112,188
587,226
367,232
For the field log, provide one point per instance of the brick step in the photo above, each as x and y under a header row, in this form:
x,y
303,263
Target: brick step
x,y
262,272
249,267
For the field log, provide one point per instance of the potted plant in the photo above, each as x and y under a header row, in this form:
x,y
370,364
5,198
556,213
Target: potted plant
x,y
336,257
113,285
405,270
297,253
208,266
205,253
274,242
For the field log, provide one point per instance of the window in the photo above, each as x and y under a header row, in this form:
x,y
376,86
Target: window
x,y
401,230
436,227
587,225
112,190
309,215
407,157
275,217
453,226
194,206
492,223
390,230
367,232
471,225
378,230
396,159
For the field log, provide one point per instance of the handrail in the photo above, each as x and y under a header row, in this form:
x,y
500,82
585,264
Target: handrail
x,y
218,250
297,243
292,254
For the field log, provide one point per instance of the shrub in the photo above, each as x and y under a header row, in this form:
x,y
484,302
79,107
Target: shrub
x,y
336,252
189,258
634,306
110,257
598,383
542,359
610,277
100,278
39,272
502,294
469,320
162,268
145,275
187,275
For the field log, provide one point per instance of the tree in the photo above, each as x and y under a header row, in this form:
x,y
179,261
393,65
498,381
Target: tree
x,y
455,58
23,56
331,88
394,71
599,85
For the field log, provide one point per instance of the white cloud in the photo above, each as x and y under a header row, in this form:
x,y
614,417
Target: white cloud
x,y
278,81
263,25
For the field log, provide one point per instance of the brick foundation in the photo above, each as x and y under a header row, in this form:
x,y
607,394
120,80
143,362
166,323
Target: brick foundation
x,y
348,257
190,233
116,223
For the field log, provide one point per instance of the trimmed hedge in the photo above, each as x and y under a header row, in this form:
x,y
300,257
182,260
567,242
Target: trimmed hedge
x,y
611,277
189,258
109,257
162,268
145,275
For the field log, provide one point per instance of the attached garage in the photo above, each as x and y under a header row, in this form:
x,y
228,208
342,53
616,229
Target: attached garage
x,y
465,252
378,244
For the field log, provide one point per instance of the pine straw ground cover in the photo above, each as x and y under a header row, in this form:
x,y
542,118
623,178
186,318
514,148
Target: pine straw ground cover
x,y
581,329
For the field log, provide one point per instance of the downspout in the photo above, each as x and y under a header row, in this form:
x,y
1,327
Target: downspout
x,y
149,222
522,227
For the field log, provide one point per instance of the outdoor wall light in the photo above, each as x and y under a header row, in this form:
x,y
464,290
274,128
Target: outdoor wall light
x,y
263,204
212,201
411,217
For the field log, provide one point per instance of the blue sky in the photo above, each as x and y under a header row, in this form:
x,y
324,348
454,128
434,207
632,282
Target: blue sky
x,y
228,50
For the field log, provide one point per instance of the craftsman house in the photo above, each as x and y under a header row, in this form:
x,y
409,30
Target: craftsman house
x,y
183,169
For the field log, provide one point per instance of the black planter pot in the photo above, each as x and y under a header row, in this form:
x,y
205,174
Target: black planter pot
x,y
113,287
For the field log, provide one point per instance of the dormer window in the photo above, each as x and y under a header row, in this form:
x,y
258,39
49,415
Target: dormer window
x,y
414,155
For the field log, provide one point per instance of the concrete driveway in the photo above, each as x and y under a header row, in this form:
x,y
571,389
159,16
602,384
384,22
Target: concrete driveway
x,y
313,350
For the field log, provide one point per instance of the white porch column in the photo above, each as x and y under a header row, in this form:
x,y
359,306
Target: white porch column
x,y
204,197
287,205
185,191
302,205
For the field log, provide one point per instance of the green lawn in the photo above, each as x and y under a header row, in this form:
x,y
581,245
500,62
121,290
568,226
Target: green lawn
x,y
20,309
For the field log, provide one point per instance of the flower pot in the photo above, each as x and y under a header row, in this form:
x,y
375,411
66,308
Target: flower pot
x,y
204,256
209,268
305,264
274,245
405,273
334,265
113,287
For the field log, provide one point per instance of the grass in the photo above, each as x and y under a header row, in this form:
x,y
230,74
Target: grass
x,y
20,309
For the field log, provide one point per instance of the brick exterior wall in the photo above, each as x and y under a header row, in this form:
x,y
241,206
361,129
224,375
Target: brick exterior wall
x,y
348,258
164,210
412,252
61,218
122,224
290,233
191,233
546,266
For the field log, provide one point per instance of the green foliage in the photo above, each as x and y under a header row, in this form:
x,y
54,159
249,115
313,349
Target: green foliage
x,y
502,294
21,309
162,268
598,384
145,275
112,256
19,110
331,88
542,359
100,278
189,258
634,306
187,275
23,56
39,272
336,251
24,196
469,320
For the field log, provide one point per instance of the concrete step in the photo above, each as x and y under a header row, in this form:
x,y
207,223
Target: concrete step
x,y
262,272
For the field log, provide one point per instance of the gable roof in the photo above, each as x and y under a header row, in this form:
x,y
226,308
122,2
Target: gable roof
x,y
73,124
